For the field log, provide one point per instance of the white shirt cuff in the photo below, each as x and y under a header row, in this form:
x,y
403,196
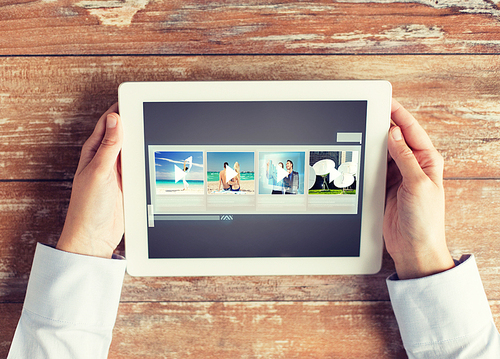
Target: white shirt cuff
x,y
441,307
74,288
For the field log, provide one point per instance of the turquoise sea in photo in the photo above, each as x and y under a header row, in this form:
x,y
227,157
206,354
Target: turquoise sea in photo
x,y
245,176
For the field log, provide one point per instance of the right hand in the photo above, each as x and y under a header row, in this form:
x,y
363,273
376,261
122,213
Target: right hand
x,y
414,228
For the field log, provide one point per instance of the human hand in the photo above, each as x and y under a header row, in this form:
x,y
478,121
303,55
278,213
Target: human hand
x,y
94,223
414,228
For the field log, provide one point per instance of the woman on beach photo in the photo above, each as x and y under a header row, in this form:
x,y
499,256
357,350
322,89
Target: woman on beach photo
x,y
234,182
185,169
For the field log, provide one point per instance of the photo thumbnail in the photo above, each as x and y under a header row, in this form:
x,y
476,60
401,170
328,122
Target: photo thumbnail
x,y
333,172
281,172
230,173
179,172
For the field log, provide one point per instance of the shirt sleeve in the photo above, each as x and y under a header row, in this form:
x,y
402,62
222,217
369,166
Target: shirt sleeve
x,y
70,307
445,315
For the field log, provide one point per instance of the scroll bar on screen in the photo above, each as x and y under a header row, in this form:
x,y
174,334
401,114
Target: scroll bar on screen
x,y
349,137
151,216
188,218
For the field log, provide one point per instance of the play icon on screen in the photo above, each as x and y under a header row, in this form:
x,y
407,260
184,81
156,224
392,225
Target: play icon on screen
x,y
281,173
230,174
179,174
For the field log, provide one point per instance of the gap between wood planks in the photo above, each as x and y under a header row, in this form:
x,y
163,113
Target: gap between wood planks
x,y
255,54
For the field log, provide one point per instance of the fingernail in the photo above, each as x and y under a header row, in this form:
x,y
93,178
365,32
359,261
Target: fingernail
x,y
396,134
111,121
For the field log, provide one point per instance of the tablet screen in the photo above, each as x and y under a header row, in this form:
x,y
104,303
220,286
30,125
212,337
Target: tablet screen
x,y
254,179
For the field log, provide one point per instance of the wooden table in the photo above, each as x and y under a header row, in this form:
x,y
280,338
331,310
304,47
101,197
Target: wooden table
x,y
62,61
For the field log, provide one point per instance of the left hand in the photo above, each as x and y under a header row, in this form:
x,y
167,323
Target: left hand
x,y
94,223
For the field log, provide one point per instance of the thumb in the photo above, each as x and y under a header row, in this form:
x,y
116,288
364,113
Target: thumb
x,y
403,156
111,143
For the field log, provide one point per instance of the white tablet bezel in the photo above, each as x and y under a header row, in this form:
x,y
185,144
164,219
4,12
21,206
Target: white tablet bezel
x,y
132,95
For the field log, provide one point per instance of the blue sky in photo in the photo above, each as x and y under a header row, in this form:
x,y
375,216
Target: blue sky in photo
x,y
166,160
215,161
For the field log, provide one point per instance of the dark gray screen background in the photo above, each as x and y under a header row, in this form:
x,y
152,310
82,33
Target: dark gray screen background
x,y
255,123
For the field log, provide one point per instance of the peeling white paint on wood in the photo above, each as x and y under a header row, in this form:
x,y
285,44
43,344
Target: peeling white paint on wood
x,y
400,36
114,13
279,8
413,31
295,37
465,6
398,33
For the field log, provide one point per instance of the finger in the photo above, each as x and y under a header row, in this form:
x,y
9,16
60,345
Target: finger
x,y
417,139
111,144
389,158
403,156
100,128
94,141
415,136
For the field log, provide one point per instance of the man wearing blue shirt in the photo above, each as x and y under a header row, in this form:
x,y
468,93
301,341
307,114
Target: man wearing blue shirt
x,y
291,182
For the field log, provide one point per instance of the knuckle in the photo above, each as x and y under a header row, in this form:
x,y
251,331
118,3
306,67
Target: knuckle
x,y
108,142
87,145
91,144
439,159
88,148
405,152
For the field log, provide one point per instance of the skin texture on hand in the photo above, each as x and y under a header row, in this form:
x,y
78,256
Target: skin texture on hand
x,y
414,227
94,222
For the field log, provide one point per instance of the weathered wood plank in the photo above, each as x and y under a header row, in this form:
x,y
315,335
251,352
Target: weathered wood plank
x,y
257,330
49,105
245,330
260,330
248,27
248,330
31,212
9,314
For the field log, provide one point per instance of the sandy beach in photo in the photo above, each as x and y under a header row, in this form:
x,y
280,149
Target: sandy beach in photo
x,y
190,190
247,186
170,187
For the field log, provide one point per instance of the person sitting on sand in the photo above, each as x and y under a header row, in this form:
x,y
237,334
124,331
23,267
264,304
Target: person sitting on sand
x,y
234,182
222,179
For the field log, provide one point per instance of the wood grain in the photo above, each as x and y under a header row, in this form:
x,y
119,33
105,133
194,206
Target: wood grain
x,y
30,212
49,105
9,314
442,57
257,330
34,211
248,27
248,330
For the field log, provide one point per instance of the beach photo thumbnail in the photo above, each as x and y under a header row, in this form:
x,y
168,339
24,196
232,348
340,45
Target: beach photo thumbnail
x,y
179,172
230,173
281,172
333,172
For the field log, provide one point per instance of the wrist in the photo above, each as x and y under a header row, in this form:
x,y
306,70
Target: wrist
x,y
75,245
419,265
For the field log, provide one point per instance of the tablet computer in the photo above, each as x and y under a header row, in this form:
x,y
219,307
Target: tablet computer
x,y
254,177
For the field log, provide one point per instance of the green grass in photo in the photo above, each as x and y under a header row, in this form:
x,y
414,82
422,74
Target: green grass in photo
x,y
332,191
